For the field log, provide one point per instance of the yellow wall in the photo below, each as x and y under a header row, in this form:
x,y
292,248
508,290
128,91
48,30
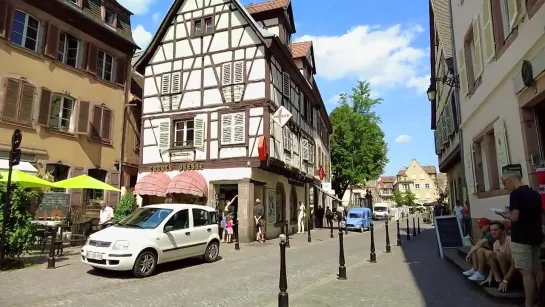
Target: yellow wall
x,y
419,178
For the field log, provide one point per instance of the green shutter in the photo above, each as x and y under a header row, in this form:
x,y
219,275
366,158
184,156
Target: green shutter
x,y
488,33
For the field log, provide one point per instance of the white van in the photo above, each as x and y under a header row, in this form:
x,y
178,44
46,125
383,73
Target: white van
x,y
381,211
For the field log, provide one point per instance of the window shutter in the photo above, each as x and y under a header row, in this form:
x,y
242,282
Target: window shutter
x,y
3,17
286,136
239,128
502,150
27,103
121,69
513,8
106,125
84,54
95,124
199,129
52,41
76,194
239,72
437,142
304,149
83,117
45,107
462,71
92,58
12,90
175,88
226,74
469,174
227,129
113,196
311,153
165,84
286,84
477,46
164,135
488,32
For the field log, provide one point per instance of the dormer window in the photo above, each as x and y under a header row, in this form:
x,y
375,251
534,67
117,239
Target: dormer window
x,y
109,17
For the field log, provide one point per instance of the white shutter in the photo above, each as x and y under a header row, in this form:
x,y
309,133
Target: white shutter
x,y
165,84
469,174
502,150
199,130
477,47
286,136
295,142
311,152
238,128
226,129
462,71
226,74
176,88
488,32
239,72
164,135
513,9
304,149
286,84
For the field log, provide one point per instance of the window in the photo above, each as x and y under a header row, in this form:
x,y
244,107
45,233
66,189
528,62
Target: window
x,y
202,218
25,30
471,65
417,186
180,220
101,124
233,128
68,50
286,84
405,186
58,172
105,65
91,194
427,185
184,133
505,25
203,26
109,17
62,108
18,104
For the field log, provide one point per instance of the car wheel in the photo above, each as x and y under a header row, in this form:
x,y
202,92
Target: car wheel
x,y
212,252
145,264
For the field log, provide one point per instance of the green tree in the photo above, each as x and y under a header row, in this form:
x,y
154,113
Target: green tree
x,y
399,198
409,198
126,206
358,149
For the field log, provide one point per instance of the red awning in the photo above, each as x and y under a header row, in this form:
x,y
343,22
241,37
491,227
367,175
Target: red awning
x,y
152,184
191,183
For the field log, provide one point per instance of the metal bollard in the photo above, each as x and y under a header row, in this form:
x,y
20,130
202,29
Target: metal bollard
x,y
309,239
398,234
414,227
418,219
373,255
283,299
408,230
388,247
331,229
342,268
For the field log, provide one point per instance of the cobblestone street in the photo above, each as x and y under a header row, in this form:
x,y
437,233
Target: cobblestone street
x,y
413,274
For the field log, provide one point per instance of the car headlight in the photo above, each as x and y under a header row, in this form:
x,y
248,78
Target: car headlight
x,y
87,241
121,245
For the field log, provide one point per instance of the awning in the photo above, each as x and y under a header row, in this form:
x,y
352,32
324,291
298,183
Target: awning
x,y
189,183
26,167
326,193
154,184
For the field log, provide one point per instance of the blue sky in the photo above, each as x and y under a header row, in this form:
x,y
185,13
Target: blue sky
x,y
384,42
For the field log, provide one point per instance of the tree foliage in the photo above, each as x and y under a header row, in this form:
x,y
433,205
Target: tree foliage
x,y
126,206
409,198
358,148
399,198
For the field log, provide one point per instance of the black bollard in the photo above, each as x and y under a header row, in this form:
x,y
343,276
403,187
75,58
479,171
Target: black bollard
x,y
309,238
288,236
345,226
414,227
418,219
51,258
331,229
373,255
283,300
398,234
388,247
408,230
235,228
342,268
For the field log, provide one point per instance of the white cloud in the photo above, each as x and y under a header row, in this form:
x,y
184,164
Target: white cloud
x,y
138,7
404,138
156,17
386,57
141,36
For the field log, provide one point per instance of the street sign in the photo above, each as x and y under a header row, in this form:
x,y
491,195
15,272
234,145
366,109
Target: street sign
x,y
321,172
282,116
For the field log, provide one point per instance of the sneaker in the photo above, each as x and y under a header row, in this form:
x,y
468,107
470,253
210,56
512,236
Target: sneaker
x,y
469,272
477,277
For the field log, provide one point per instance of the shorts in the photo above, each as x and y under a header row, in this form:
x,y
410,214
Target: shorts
x,y
526,257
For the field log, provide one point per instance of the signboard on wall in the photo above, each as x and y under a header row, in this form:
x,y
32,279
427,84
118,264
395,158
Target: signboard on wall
x,y
281,116
191,166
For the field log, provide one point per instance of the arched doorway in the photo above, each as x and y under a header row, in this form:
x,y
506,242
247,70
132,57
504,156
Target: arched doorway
x,y
293,205
280,203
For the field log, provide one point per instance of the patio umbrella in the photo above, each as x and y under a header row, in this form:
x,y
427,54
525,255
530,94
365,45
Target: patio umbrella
x,y
85,182
26,180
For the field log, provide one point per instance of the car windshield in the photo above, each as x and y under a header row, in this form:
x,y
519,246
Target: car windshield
x,y
145,218
380,209
355,215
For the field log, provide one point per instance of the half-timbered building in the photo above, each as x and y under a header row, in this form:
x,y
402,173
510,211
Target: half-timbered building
x,y
215,74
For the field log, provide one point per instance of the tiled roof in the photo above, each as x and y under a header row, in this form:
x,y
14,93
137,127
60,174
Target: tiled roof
x,y
401,172
254,8
442,25
300,49
387,179
429,169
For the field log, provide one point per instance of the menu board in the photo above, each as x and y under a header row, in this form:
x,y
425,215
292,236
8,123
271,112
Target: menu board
x,y
449,232
53,204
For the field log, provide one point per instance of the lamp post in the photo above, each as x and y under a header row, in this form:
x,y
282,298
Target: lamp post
x,y
388,247
398,234
373,255
14,159
408,230
283,299
414,227
235,230
342,268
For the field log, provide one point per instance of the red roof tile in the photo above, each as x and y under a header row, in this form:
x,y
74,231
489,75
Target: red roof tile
x,y
300,49
254,8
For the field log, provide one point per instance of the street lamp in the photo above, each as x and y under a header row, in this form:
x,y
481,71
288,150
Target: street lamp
x,y
431,93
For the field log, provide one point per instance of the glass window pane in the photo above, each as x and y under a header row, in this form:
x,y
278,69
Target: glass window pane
x,y
190,124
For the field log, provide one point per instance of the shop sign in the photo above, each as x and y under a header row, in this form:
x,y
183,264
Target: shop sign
x,y
182,167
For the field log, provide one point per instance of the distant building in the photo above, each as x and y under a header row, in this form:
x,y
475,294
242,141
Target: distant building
x,y
386,189
424,181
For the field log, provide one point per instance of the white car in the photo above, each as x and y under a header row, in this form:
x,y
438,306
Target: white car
x,y
153,235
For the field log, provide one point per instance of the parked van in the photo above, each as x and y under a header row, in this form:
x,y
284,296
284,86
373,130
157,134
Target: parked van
x,y
381,211
358,219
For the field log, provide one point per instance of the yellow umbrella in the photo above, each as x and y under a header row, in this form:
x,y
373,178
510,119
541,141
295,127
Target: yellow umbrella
x,y
26,180
85,182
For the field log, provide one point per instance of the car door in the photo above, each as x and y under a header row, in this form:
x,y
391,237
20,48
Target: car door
x,y
204,226
178,240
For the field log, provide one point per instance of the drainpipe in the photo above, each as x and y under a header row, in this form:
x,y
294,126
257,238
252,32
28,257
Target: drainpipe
x,y
457,97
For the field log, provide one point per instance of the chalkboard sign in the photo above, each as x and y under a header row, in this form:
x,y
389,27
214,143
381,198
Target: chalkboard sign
x,y
449,232
53,204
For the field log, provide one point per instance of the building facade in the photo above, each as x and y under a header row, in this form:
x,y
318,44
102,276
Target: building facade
x,y
65,87
386,189
424,181
444,99
215,77
499,51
